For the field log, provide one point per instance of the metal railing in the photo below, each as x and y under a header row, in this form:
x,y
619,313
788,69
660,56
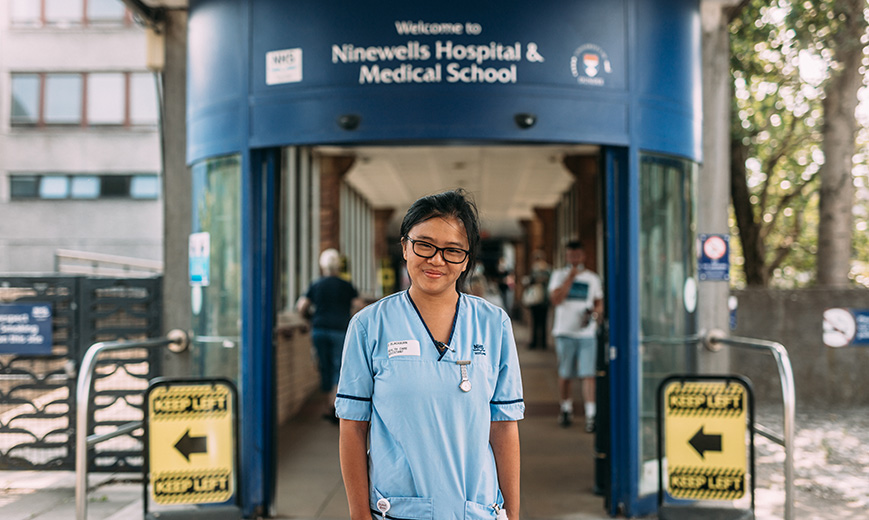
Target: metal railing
x,y
83,262
714,340
176,340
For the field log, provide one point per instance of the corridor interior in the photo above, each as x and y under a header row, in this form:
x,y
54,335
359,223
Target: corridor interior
x,y
557,463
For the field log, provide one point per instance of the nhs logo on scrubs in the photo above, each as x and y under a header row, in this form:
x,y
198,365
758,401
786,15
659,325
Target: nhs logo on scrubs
x,y
479,350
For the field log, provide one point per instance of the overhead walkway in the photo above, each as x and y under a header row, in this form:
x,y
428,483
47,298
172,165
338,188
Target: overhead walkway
x,y
557,463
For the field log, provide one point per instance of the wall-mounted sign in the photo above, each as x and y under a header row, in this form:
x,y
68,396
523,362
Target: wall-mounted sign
x,y
733,307
25,328
191,441
705,439
284,66
846,327
714,257
459,44
199,257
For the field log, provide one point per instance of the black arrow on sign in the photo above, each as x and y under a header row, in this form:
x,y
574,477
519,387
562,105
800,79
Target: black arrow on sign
x,y
703,443
188,445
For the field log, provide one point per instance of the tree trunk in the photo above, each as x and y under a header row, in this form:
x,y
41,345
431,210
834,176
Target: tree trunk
x,y
753,250
837,188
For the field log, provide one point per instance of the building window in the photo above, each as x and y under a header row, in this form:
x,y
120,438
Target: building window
x,y
85,187
54,187
111,98
106,93
144,187
69,13
110,12
64,12
143,95
60,186
24,186
25,99
115,186
63,99
26,13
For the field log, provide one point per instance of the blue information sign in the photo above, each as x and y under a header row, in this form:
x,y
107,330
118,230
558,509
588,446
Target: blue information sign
x,y
714,261
861,335
200,258
25,328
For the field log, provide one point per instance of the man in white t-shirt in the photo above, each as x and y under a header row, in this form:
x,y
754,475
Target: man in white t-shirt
x,y
577,295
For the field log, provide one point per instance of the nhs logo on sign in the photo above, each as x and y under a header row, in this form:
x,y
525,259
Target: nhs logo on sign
x,y
284,66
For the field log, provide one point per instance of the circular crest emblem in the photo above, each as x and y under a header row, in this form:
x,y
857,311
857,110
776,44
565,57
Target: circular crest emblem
x,y
590,64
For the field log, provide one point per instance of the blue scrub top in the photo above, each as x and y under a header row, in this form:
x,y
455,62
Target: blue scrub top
x,y
429,450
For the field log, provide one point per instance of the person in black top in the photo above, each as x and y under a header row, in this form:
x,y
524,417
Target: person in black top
x,y
330,301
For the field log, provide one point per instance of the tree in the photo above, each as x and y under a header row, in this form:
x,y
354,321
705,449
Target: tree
x,y
775,156
796,72
835,30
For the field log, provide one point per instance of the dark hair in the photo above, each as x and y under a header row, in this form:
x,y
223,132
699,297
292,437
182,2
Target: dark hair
x,y
455,203
574,244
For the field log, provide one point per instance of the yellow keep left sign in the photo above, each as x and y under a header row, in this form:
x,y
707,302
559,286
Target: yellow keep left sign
x,y
705,439
191,441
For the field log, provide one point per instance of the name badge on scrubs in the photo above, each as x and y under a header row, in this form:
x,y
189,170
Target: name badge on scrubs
x,y
408,347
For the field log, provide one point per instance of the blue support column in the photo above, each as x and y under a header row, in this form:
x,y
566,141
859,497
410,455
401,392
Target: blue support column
x,y
257,367
622,256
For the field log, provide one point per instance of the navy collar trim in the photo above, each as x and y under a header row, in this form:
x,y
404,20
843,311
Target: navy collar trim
x,y
442,348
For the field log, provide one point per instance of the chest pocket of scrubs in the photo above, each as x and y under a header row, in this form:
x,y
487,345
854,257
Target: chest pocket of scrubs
x,y
409,379
404,508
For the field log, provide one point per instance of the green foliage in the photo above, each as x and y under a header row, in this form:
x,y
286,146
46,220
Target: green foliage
x,y
782,54
860,254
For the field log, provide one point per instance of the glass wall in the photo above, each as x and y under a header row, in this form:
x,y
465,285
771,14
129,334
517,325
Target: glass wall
x,y
668,290
298,225
216,258
357,240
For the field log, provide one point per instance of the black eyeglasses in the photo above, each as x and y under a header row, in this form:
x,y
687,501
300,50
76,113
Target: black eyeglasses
x,y
452,255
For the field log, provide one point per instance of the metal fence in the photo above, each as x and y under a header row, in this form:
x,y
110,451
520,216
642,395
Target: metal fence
x,y
37,392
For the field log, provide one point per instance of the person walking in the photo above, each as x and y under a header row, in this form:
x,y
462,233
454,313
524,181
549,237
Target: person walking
x,y
430,390
534,297
577,295
330,301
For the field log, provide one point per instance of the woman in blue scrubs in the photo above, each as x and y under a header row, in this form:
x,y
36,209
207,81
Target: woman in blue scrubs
x,y
430,389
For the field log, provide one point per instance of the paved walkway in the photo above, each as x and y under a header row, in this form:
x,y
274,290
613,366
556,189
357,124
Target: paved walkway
x,y
557,463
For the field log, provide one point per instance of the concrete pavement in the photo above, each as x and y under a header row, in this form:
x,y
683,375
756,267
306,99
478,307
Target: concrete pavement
x,y
557,463
557,475
50,495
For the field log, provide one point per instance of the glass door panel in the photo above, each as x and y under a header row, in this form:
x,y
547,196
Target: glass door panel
x,y
216,302
667,291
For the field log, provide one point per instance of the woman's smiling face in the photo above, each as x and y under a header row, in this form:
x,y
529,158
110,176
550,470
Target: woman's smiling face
x,y
433,276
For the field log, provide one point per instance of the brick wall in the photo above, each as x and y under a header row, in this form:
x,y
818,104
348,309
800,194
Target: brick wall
x,y
296,368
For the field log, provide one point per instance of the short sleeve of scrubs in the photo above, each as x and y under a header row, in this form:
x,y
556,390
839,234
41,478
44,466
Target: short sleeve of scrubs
x,y
507,403
356,384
